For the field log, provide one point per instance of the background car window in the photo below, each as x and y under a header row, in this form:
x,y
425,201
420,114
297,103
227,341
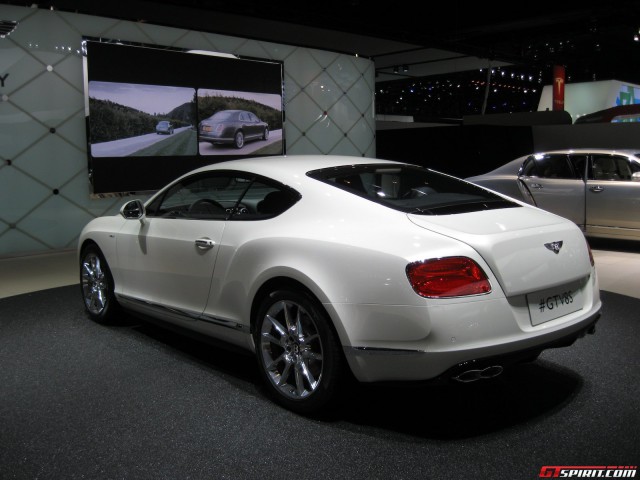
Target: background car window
x,y
579,165
550,166
607,167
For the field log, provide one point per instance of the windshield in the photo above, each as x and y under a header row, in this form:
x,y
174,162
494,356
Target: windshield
x,y
223,115
411,189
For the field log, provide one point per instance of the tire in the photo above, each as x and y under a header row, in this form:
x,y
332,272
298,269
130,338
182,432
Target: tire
x,y
299,358
238,139
265,134
97,287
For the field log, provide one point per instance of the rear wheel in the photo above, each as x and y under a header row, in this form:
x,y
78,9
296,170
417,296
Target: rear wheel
x,y
265,134
96,283
298,354
238,139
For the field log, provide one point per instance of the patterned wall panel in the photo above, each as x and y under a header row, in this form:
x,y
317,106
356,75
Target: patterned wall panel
x,y
44,189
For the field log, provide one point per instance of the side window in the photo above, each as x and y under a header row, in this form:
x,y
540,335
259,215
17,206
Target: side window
x,y
579,164
208,196
264,200
254,119
550,166
608,167
244,117
223,195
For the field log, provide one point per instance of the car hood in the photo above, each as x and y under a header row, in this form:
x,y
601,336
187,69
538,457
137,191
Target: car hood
x,y
512,242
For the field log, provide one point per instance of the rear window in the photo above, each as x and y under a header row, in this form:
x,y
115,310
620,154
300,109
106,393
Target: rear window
x,y
411,189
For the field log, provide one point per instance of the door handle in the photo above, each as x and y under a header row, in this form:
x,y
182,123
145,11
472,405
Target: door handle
x,y
204,243
596,188
536,186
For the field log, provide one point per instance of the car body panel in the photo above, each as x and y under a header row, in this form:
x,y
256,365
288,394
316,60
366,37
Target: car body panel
x,y
351,253
514,247
161,263
604,208
564,197
604,199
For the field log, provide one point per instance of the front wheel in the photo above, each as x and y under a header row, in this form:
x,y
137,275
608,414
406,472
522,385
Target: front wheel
x,y
96,283
298,354
265,134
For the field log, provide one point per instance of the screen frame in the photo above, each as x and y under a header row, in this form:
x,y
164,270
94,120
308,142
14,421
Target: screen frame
x,y
117,62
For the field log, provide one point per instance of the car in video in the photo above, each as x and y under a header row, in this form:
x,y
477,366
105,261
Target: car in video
x,y
164,128
335,269
232,127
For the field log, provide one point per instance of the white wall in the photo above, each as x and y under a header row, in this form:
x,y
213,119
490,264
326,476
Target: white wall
x,y
44,189
589,97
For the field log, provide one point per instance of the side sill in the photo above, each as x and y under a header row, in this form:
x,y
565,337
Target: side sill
x,y
152,309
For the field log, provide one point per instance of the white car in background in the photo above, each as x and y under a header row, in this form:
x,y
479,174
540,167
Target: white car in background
x,y
330,267
597,189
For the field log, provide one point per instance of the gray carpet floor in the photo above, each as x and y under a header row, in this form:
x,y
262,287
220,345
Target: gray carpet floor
x,y
134,401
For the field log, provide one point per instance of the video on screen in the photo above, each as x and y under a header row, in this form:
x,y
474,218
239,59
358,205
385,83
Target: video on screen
x,y
154,113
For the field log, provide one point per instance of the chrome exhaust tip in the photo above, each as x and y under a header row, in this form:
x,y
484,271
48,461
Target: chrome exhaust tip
x,y
479,374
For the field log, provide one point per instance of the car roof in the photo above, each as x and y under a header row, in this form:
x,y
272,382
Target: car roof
x,y
290,168
606,151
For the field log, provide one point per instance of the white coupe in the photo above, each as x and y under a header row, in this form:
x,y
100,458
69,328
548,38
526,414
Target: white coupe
x,y
331,268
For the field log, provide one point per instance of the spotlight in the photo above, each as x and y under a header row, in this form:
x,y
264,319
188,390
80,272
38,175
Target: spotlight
x,y
405,68
396,69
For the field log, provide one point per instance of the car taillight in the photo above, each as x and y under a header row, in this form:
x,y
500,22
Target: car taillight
x,y
593,262
447,277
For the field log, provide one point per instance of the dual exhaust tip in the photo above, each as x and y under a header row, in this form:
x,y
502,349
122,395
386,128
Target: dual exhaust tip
x,y
479,374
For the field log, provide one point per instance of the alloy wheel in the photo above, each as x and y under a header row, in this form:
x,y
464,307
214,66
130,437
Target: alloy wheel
x,y
291,350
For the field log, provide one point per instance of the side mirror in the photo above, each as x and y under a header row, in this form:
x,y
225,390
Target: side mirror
x,y
133,210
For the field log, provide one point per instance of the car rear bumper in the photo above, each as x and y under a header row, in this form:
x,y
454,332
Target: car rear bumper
x,y
390,365
207,137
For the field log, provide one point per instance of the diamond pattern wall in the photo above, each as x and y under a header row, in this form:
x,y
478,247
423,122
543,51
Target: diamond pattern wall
x,y
44,189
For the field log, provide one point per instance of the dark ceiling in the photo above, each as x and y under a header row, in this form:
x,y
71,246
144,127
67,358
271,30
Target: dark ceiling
x,y
594,40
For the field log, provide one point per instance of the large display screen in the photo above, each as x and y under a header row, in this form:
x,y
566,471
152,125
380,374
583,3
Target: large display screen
x,y
154,113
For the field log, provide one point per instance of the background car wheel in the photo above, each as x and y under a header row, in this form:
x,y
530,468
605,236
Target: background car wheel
x,y
238,139
265,135
298,354
96,284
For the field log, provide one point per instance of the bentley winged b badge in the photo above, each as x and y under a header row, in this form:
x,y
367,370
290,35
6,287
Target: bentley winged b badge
x,y
554,246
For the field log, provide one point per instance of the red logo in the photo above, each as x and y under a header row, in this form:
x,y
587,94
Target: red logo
x,y
564,471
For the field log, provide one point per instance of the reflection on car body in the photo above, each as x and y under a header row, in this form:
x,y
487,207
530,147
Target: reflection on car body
x,y
329,268
233,127
598,189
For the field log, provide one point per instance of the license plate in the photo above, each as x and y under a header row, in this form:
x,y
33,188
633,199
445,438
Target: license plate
x,y
553,303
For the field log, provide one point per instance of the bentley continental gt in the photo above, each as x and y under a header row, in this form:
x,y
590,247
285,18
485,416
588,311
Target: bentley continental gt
x,y
333,268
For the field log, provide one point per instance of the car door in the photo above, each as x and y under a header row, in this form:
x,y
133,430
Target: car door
x,y
613,197
169,257
251,231
555,182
